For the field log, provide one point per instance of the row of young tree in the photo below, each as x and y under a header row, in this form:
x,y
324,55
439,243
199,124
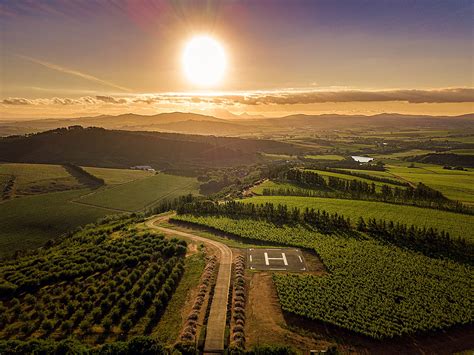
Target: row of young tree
x,y
85,176
428,241
280,214
421,195
367,176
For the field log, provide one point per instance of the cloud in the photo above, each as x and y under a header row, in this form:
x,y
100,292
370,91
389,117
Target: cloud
x,y
450,95
435,96
111,100
447,95
74,72
16,101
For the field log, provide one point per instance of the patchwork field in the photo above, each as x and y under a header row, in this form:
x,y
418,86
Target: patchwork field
x,y
39,178
139,194
29,222
458,225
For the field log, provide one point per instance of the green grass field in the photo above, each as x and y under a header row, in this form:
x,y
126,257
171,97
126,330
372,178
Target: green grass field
x,y
404,154
326,175
117,176
29,222
462,151
279,156
139,194
382,174
325,157
454,184
170,324
458,225
39,178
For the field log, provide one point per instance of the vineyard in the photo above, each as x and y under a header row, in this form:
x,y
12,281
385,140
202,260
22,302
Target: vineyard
x,y
103,281
373,288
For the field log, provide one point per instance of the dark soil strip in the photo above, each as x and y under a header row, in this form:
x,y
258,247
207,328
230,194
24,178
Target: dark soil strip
x,y
9,189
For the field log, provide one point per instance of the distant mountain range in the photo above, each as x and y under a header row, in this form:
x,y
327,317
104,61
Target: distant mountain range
x,y
242,125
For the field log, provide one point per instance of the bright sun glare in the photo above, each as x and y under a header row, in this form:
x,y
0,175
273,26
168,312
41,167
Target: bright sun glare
x,y
204,61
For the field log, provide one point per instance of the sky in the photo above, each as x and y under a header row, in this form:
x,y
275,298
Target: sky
x,y
62,58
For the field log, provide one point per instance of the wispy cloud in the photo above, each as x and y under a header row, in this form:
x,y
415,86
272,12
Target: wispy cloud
x,y
74,72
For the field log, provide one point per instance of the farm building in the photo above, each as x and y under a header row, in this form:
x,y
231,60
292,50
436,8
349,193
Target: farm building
x,y
142,167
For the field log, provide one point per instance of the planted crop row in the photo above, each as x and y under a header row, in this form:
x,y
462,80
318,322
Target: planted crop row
x,y
188,333
103,296
238,304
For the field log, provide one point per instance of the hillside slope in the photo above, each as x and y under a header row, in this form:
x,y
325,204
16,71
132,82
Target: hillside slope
x,y
100,147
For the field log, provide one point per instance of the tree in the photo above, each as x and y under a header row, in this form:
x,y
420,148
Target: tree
x,y
361,226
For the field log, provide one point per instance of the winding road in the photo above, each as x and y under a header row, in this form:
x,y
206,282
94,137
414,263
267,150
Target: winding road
x,y
217,317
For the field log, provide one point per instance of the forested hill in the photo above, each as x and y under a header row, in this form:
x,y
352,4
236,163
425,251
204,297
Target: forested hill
x,y
109,148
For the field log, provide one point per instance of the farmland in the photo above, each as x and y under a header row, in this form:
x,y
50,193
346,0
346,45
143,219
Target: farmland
x,y
123,287
32,179
326,175
117,176
40,212
29,222
373,289
454,184
142,193
325,157
457,224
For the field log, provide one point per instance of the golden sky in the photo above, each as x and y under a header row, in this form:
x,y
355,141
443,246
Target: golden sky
x,y
69,59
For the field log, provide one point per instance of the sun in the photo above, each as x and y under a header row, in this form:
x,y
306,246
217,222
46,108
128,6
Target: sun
x,y
204,61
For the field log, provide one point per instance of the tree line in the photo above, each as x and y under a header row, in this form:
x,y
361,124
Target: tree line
x,y
367,176
83,175
421,195
429,241
321,220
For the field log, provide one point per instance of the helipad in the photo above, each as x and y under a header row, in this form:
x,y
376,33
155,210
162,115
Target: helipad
x,y
276,259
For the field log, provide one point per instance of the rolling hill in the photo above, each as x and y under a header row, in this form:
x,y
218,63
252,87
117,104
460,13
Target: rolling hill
x,y
240,125
107,148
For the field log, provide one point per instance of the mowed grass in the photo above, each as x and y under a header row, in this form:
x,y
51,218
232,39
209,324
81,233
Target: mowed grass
x,y
29,222
39,178
143,193
118,176
454,184
458,225
325,157
171,322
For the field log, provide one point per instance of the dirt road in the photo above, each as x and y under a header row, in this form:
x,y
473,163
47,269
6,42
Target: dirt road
x,y
217,316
